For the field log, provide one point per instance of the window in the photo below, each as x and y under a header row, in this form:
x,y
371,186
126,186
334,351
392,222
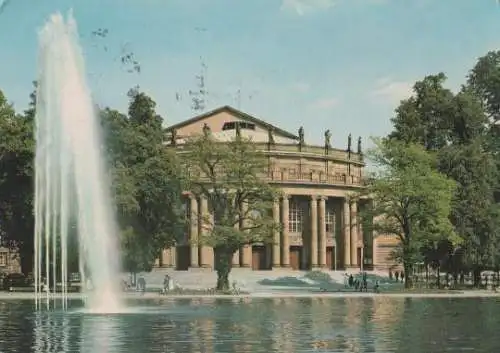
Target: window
x,y
330,220
229,126
295,217
243,125
3,259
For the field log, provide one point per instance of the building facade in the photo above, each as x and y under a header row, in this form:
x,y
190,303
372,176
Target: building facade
x,y
9,261
318,216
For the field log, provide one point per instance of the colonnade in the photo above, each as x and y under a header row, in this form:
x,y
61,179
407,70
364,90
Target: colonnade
x,y
346,244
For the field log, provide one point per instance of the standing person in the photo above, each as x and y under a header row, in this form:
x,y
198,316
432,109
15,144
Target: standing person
x,y
166,284
141,285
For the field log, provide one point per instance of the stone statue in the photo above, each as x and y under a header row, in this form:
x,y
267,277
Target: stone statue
x,y
238,129
270,135
328,136
349,142
206,129
173,137
301,135
359,145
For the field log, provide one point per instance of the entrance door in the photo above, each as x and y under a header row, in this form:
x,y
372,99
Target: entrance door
x,y
183,257
258,258
330,257
295,257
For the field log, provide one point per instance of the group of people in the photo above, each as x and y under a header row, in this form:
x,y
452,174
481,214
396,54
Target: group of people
x,y
140,285
360,284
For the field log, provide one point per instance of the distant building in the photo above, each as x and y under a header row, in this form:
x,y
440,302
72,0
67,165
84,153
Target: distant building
x,y
9,261
319,230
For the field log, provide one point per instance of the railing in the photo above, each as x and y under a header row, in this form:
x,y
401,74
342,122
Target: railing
x,y
306,151
282,177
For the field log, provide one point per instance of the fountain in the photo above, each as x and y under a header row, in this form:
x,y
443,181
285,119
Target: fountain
x,y
71,182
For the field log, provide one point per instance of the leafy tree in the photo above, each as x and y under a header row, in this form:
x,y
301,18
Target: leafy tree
x,y
484,79
230,176
147,181
424,117
411,200
475,213
16,181
467,151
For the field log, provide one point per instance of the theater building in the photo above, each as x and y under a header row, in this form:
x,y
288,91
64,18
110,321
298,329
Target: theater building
x,y
318,217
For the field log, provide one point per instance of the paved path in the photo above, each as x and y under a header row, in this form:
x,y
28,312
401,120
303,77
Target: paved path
x,y
135,295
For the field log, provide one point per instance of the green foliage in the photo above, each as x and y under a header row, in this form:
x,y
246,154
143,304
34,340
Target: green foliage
x,y
230,176
484,79
456,127
147,182
410,199
419,119
16,180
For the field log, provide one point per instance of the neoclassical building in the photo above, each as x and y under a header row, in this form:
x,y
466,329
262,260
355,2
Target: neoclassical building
x,y
317,215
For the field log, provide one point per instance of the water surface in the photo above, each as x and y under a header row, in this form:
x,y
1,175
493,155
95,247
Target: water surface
x,y
415,325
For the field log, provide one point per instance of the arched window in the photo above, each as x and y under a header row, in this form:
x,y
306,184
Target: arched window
x,y
295,217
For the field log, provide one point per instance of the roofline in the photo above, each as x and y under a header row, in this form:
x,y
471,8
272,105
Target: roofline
x,y
236,112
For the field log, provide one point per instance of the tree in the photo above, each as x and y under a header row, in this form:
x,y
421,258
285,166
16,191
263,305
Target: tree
x,y
147,180
456,127
475,214
16,181
410,200
231,177
424,117
484,79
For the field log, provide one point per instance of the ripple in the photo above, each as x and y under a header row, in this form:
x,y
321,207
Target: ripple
x,y
257,325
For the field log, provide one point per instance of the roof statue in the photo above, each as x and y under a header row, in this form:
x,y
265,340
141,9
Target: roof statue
x,y
173,137
270,134
206,129
328,136
301,135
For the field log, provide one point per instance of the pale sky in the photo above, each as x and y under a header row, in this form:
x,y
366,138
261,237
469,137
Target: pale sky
x,y
341,65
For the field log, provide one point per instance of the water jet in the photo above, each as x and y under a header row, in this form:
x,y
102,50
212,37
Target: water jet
x,y
71,179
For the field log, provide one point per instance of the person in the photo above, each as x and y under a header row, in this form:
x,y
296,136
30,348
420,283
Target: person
x,y
376,287
141,285
351,280
166,284
365,282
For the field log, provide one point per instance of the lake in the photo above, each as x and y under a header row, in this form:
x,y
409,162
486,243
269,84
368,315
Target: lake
x,y
379,324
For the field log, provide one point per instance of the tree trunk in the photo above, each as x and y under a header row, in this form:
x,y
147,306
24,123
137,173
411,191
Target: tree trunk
x,y
223,265
407,269
476,276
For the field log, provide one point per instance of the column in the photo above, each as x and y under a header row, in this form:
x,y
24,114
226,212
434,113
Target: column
x,y
173,257
246,251
276,236
322,232
313,204
193,231
354,233
285,249
347,232
206,253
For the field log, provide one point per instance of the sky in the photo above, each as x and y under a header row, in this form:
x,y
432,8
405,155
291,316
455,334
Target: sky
x,y
341,65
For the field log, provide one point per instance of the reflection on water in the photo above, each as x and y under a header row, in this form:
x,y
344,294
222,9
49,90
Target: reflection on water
x,y
259,325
